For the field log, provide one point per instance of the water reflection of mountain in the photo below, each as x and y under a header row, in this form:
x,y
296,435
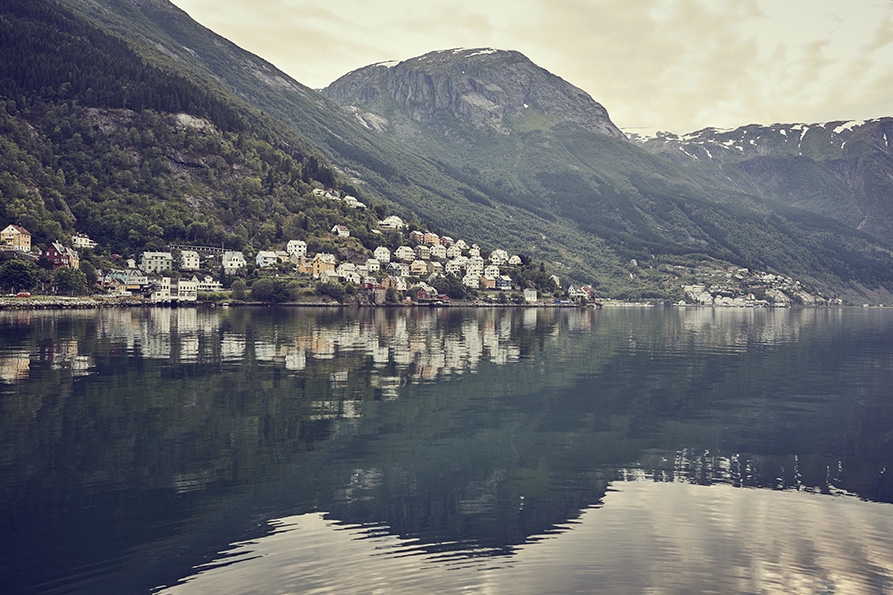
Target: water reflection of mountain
x,y
468,430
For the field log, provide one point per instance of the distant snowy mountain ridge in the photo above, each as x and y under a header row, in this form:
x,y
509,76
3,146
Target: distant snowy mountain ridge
x,y
818,141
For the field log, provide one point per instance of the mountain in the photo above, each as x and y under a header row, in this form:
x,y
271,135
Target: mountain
x,y
842,169
520,136
484,145
482,88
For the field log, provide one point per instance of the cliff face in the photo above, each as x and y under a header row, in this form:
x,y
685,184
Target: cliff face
x,y
481,87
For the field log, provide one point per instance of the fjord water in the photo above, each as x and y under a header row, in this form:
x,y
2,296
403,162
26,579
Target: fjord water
x,y
300,450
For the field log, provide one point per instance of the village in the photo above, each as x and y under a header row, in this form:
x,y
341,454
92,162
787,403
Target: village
x,y
407,274
415,272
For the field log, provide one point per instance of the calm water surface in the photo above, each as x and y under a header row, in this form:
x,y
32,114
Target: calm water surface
x,y
284,450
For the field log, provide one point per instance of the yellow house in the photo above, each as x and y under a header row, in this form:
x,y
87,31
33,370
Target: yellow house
x,y
16,237
322,262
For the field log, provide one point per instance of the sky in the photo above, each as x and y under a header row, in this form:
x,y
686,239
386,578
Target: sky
x,y
676,65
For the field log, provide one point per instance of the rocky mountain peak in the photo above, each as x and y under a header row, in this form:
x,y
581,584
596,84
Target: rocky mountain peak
x,y
484,87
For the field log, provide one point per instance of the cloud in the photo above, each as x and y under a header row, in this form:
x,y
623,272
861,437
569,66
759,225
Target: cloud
x,y
670,64
648,59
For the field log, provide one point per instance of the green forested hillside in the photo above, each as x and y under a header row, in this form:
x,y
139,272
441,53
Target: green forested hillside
x,y
97,140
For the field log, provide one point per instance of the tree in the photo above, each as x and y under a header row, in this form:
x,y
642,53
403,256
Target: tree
x,y
268,289
240,289
90,272
69,281
18,275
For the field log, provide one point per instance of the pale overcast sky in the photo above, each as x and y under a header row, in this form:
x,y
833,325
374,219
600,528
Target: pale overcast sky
x,y
677,65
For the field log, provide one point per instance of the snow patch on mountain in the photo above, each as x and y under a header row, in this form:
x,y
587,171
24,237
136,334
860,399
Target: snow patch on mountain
x,y
849,126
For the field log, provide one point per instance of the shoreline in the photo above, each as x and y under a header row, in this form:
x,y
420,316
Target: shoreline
x,y
86,303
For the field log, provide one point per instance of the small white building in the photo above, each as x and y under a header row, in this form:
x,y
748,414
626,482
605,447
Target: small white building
x,y
438,251
296,248
453,267
405,253
232,261
530,295
353,203
393,222
499,257
266,259
382,254
372,265
82,241
189,260
165,289
472,281
184,290
341,231
156,262
208,284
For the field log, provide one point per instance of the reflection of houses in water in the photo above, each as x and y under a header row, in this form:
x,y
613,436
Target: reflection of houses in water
x,y
64,354
295,359
756,471
329,409
15,367
752,326
264,351
232,347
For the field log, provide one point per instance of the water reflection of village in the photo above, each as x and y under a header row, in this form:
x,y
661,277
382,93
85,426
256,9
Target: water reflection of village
x,y
400,346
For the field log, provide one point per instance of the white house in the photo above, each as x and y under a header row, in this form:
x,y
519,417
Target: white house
x,y
453,267
422,252
530,295
161,289
353,203
473,281
491,271
177,290
352,277
232,261
207,284
392,222
296,248
156,262
82,240
189,260
454,251
405,253
514,260
184,290
439,252
382,254
266,259
372,265
499,257
344,268
341,231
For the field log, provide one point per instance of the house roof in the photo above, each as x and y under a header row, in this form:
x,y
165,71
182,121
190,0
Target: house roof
x,y
18,228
